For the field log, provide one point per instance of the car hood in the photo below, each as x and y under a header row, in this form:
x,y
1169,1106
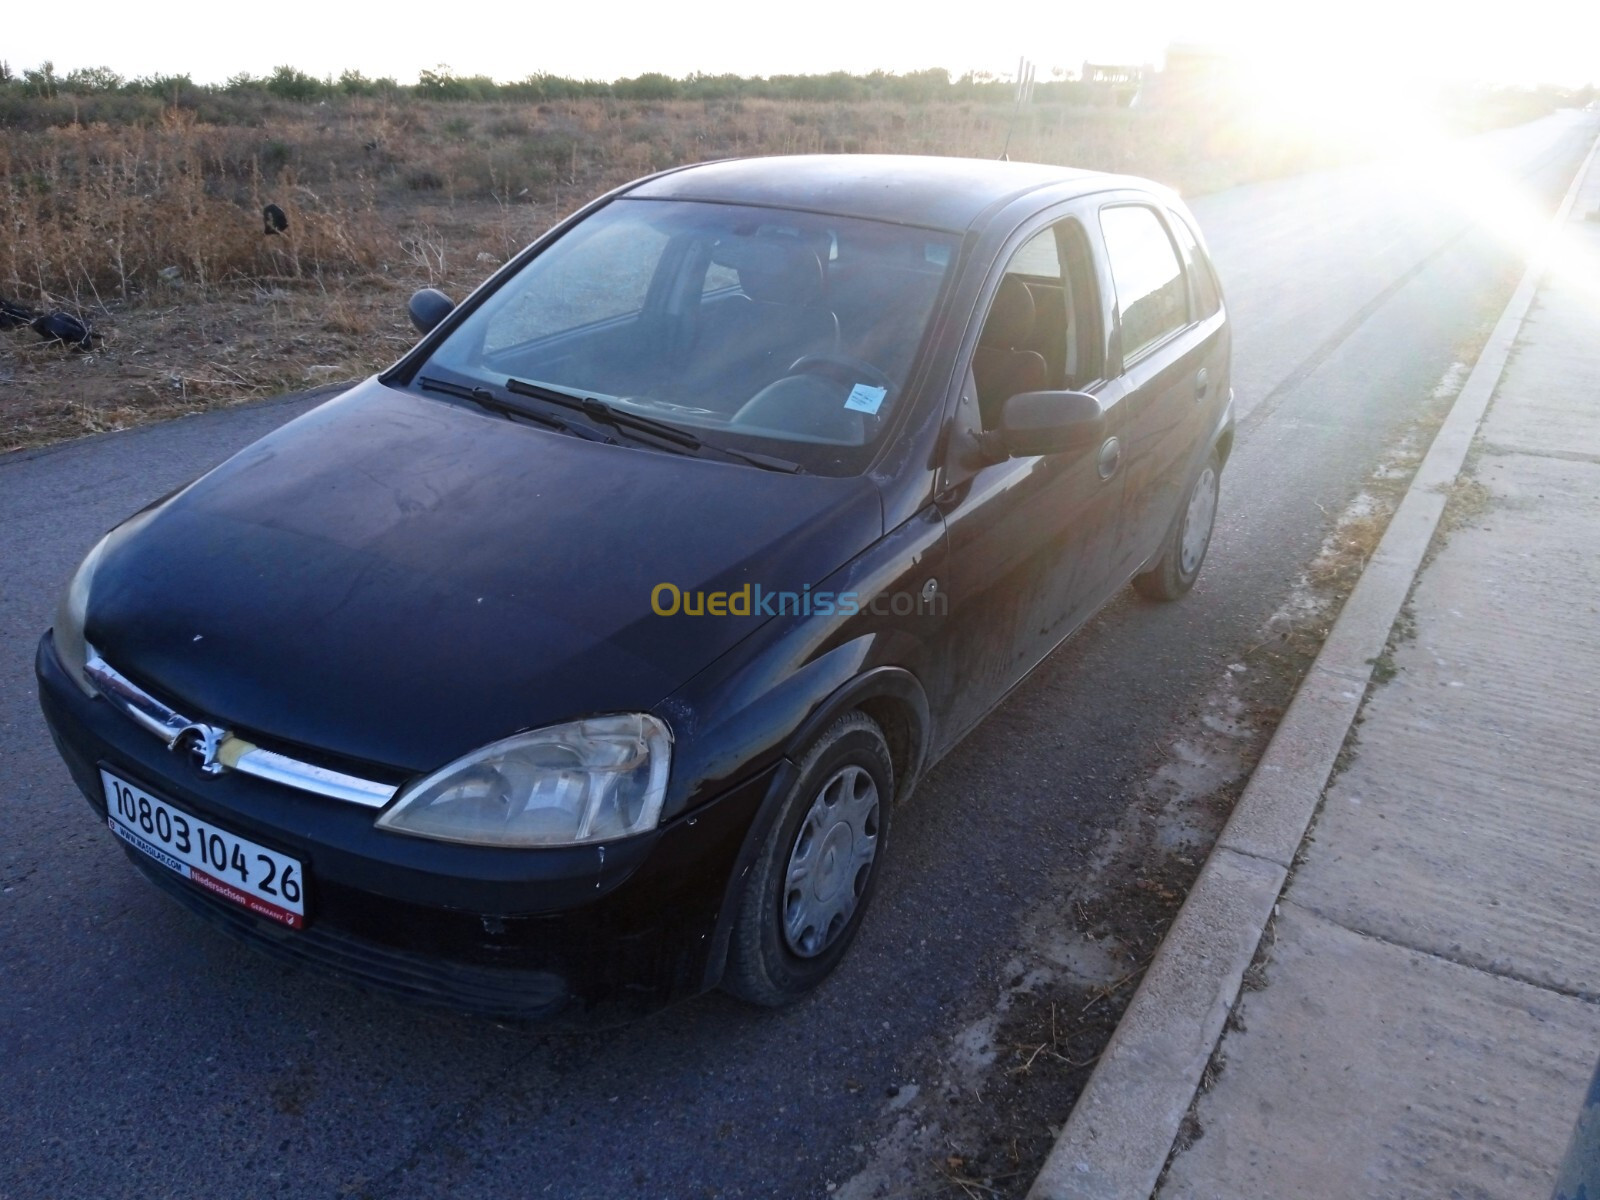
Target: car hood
x,y
398,580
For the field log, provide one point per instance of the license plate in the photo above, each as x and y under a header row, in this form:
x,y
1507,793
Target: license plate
x,y
269,884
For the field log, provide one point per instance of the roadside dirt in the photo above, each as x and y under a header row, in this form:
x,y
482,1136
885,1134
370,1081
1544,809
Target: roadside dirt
x,y
184,349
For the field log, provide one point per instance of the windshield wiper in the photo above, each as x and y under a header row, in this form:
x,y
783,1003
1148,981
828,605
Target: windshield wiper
x,y
484,398
766,462
609,414
606,414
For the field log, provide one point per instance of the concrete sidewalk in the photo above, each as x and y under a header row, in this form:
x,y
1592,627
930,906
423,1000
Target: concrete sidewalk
x,y
1431,1008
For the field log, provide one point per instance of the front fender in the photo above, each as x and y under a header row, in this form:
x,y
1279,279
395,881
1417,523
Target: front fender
x,y
893,697
760,700
906,723
759,706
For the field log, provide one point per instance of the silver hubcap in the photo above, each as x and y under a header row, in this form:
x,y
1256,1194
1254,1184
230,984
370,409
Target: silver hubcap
x,y
1197,521
831,861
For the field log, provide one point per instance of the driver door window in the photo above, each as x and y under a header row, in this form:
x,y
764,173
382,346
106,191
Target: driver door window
x,y
1041,330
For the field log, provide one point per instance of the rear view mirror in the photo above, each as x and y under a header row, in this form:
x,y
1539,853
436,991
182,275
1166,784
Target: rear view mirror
x,y
428,307
1050,423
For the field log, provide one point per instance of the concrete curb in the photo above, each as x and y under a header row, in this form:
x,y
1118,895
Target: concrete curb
x,y
1121,1131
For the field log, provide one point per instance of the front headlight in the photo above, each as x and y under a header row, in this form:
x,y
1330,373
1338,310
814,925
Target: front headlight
x,y
588,781
71,613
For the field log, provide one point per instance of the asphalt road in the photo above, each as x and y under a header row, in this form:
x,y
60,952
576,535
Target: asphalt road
x,y
142,1055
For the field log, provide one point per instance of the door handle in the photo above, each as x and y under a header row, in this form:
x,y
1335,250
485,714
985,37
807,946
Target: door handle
x,y
1202,384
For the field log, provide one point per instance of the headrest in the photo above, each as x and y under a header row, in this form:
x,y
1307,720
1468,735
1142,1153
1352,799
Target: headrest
x,y
773,270
1010,322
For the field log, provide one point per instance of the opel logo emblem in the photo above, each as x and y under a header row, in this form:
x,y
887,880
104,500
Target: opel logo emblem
x,y
202,743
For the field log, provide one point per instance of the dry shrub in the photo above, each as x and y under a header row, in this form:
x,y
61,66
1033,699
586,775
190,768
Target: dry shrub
x,y
147,218
100,211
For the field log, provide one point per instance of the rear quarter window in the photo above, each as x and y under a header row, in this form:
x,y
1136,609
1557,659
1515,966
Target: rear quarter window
x,y
1202,281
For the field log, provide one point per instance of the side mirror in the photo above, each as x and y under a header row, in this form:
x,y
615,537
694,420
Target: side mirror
x,y
428,307
1050,423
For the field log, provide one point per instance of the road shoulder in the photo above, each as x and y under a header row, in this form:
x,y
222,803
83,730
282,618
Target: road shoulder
x,y
1119,1135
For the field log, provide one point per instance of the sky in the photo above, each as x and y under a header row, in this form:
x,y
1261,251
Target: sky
x,y
1526,42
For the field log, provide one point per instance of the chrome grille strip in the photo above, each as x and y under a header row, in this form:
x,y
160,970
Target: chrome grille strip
x,y
232,752
144,708
308,777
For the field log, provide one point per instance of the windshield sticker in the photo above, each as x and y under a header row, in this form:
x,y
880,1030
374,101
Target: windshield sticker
x,y
865,399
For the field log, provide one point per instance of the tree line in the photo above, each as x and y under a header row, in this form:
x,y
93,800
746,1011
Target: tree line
x,y
441,83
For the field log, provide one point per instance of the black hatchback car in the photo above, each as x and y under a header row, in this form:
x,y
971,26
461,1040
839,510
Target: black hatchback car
x,y
580,660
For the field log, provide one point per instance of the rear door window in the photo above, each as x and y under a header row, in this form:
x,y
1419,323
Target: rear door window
x,y
1152,295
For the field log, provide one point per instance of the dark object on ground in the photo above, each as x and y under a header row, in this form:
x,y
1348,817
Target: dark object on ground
x,y
14,316
273,220
58,326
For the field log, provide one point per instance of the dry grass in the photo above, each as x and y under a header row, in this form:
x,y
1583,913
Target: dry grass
x,y
152,232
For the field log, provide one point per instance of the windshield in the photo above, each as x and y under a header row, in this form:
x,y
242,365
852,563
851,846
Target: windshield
x,y
786,332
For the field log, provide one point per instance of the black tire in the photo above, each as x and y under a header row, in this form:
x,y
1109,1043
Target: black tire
x,y
768,964
1184,551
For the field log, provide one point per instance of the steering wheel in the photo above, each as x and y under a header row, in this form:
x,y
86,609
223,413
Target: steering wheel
x,y
848,371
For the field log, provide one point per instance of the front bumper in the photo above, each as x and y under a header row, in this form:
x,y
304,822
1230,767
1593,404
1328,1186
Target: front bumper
x,y
579,934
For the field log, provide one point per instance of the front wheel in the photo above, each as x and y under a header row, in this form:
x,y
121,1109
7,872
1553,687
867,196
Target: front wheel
x,y
1174,573
805,895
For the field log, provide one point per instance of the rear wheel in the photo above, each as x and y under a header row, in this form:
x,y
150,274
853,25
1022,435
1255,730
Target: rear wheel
x,y
1174,573
805,896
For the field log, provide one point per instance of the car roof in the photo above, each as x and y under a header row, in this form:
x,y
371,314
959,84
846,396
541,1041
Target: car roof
x,y
908,189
